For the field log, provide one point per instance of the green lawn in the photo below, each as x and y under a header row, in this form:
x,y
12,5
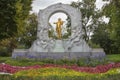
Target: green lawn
x,y
81,62
113,58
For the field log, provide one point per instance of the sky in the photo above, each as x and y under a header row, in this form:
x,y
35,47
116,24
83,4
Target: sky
x,y
42,4
54,18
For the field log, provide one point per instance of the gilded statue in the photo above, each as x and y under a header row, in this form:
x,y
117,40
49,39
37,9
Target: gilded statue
x,y
59,24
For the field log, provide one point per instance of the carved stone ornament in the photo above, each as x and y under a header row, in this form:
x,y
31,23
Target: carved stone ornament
x,y
74,43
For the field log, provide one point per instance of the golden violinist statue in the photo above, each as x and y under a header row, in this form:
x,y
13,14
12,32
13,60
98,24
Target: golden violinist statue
x,y
59,24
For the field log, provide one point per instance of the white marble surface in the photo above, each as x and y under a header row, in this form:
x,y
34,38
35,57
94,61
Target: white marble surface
x,y
58,46
74,43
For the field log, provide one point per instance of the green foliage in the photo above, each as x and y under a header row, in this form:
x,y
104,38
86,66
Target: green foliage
x,y
113,58
68,26
30,31
8,25
51,33
26,24
105,35
90,16
80,62
22,11
101,37
3,59
6,77
6,46
23,62
93,45
112,10
108,35
13,15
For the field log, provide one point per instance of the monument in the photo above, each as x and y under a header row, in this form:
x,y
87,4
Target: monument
x,y
74,47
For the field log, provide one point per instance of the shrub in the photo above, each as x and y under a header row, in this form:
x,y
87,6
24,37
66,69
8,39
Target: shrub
x,y
6,46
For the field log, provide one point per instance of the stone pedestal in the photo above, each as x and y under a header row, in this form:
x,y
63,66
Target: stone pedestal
x,y
58,46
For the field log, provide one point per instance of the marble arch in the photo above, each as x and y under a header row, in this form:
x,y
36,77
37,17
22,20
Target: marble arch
x,y
72,12
74,44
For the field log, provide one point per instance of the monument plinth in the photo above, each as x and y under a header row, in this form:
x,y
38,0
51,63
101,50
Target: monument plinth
x,y
74,47
58,46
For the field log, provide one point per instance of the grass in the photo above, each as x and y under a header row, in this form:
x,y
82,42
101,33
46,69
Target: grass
x,y
30,62
3,59
113,58
80,62
24,62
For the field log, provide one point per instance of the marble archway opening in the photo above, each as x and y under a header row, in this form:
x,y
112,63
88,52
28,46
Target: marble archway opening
x,y
66,27
44,47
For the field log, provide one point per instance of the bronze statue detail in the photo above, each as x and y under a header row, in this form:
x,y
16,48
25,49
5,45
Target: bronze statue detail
x,y
59,24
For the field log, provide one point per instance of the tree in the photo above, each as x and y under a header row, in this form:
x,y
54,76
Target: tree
x,y
13,15
89,16
101,36
112,11
23,8
30,31
68,28
8,27
108,35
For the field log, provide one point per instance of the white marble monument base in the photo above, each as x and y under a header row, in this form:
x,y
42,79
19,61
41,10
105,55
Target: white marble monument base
x,y
95,54
58,46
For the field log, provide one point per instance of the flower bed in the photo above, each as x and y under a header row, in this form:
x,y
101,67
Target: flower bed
x,y
61,72
65,74
98,69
